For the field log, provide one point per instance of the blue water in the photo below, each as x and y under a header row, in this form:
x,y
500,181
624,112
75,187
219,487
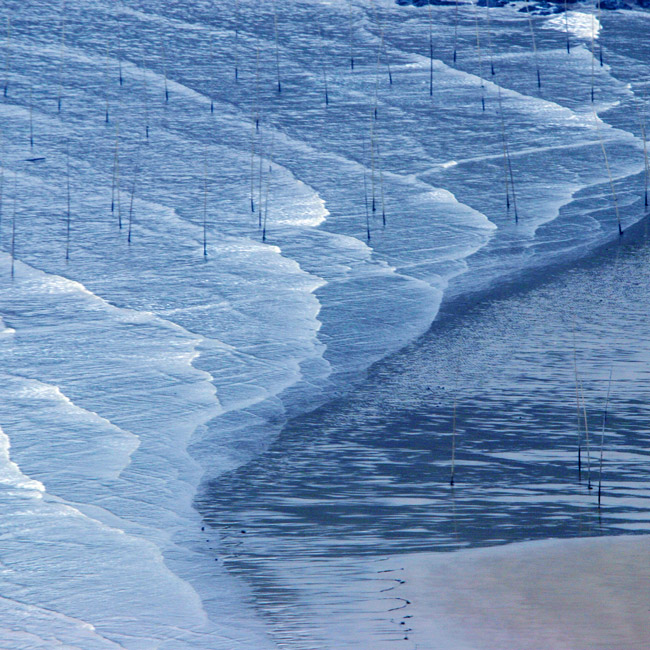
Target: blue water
x,y
138,369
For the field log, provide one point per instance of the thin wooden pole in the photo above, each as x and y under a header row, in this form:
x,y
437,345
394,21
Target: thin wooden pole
x,y
488,21
505,148
584,412
277,45
7,56
455,31
68,211
532,36
577,381
13,226
430,52
351,36
236,40
106,78
566,25
145,93
324,63
600,42
268,184
253,121
116,166
609,173
259,196
602,436
31,117
61,61
257,86
372,166
164,57
133,187
480,57
118,35
205,202
453,444
593,58
365,190
2,178
641,113
381,187
211,71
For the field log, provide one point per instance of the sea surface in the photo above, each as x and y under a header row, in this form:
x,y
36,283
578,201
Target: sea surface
x,y
217,216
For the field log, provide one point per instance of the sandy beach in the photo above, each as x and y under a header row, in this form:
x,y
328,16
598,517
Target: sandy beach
x,y
579,594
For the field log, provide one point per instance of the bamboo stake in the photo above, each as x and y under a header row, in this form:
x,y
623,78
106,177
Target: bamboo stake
x,y
61,60
13,226
236,40
512,181
257,86
118,193
584,411
351,36
259,196
372,165
455,30
365,190
507,159
164,56
593,57
609,173
205,202
253,161
211,69
532,36
277,46
641,113
116,166
268,184
68,213
135,180
381,186
145,93
7,56
575,370
645,157
385,50
566,25
106,78
602,437
453,445
118,32
376,97
505,149
382,45
480,58
600,43
324,60
430,52
488,21
31,117
2,178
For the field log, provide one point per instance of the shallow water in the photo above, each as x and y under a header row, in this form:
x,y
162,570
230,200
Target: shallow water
x,y
367,476
159,332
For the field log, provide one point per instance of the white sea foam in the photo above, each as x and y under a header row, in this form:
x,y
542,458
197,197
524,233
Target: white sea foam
x,y
585,26
120,359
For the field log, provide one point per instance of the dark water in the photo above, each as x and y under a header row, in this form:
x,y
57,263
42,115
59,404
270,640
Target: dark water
x,y
367,476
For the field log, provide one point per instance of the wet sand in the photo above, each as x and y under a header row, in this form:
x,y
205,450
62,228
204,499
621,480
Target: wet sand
x,y
579,594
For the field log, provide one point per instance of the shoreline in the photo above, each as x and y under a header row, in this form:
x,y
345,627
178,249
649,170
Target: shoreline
x,y
365,479
575,594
